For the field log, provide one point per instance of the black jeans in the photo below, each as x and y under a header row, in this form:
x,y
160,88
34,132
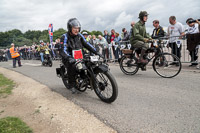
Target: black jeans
x,y
16,59
175,50
71,72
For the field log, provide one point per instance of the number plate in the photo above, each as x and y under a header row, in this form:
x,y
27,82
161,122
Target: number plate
x,y
94,58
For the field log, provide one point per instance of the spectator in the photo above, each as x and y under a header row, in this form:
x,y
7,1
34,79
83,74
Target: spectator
x,y
94,42
117,46
131,30
175,29
193,49
107,36
89,37
125,35
85,34
112,39
158,31
104,45
108,39
57,48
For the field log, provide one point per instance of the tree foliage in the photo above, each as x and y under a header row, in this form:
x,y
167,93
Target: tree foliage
x,y
32,36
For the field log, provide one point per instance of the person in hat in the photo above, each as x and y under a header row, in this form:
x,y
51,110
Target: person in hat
x,y
139,37
193,28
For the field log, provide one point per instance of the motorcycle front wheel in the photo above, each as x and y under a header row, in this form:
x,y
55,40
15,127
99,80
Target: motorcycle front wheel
x,y
105,87
50,63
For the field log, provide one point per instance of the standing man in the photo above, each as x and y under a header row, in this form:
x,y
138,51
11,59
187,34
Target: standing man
x,y
175,29
15,56
158,31
112,39
192,41
104,45
125,35
108,39
131,30
139,36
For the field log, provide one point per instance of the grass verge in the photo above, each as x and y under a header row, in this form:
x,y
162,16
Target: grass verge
x,y
6,86
13,125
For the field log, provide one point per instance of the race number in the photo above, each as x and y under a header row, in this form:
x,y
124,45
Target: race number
x,y
77,54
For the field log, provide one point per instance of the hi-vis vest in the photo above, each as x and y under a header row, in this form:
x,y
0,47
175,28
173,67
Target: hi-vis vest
x,y
13,53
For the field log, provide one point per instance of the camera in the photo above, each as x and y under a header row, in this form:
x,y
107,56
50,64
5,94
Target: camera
x,y
192,21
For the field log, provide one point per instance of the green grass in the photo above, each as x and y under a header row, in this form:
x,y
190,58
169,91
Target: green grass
x,y
6,86
13,125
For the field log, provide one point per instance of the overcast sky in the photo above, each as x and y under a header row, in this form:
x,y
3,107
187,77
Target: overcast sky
x,y
92,14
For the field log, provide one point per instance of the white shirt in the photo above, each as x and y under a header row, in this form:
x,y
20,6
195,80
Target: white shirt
x,y
175,30
194,29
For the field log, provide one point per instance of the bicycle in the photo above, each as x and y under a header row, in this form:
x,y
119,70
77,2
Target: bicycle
x,y
166,65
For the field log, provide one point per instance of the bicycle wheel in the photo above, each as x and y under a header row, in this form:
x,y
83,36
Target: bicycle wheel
x,y
128,66
167,65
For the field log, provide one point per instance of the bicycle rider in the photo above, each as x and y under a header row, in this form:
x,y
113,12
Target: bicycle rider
x,y
139,36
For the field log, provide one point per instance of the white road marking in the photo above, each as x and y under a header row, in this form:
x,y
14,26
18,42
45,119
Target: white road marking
x,y
31,64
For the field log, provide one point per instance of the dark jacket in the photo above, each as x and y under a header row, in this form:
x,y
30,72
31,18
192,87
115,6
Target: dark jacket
x,y
158,32
126,36
74,43
108,38
192,41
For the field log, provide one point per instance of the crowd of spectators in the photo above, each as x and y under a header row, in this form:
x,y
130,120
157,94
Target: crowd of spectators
x,y
109,44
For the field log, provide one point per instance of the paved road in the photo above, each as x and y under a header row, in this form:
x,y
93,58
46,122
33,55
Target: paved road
x,y
146,102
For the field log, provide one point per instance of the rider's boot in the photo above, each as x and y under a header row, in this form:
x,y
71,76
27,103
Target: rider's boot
x,y
141,59
72,88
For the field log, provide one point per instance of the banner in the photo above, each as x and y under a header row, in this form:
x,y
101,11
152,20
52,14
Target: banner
x,y
50,29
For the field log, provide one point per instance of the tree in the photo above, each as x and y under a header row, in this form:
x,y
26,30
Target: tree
x,y
21,41
58,33
96,33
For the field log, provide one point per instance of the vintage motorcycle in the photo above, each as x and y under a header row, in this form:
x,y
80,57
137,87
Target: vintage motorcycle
x,y
92,73
47,59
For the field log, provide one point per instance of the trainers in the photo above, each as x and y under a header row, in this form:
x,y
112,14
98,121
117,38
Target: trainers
x,y
20,65
14,67
173,63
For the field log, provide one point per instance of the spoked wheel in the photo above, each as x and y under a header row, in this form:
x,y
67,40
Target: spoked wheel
x,y
128,66
167,65
105,87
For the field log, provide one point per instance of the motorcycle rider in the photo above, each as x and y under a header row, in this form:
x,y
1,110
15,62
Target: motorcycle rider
x,y
139,36
71,41
41,49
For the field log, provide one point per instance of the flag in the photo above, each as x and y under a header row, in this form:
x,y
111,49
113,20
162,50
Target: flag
x,y
50,29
